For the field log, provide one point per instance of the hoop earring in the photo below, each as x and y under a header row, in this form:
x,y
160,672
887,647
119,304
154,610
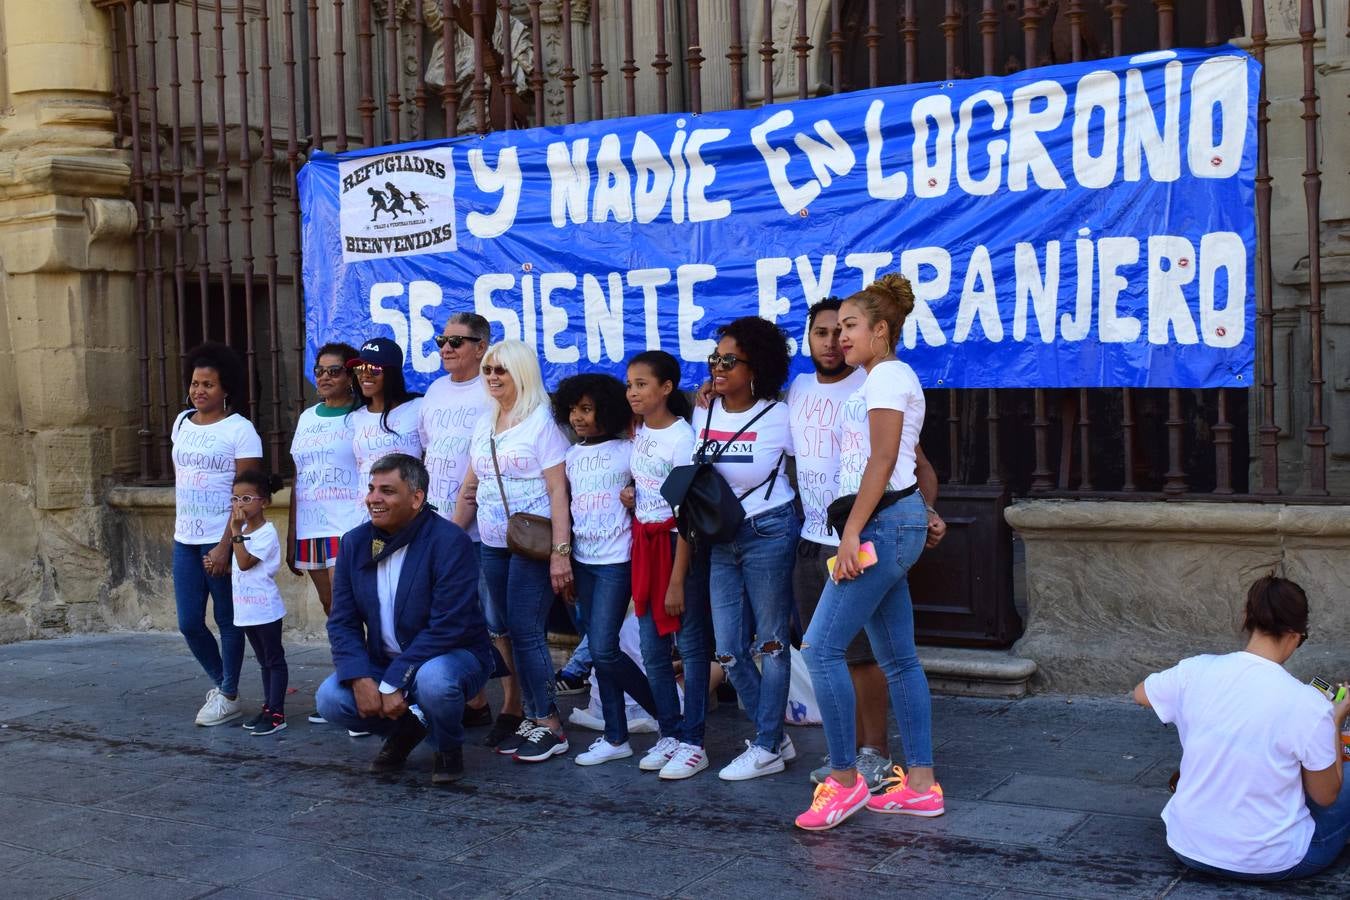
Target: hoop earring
x,y
188,398
752,386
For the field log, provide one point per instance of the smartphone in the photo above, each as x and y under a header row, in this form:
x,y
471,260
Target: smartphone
x,y
1322,685
867,555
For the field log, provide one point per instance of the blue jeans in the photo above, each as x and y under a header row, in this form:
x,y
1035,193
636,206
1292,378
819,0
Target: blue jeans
x,y
1331,831
694,641
494,614
581,661
522,588
878,600
440,687
191,585
756,566
603,592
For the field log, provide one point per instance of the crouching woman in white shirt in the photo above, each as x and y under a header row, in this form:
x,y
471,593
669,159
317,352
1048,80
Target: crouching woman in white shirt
x,y
1262,794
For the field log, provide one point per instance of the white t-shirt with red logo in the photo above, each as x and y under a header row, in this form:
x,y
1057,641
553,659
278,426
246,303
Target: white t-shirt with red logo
x,y
890,385
747,463
655,452
449,413
524,451
814,413
602,527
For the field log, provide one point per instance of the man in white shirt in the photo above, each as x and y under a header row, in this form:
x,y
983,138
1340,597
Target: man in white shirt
x,y
450,409
815,400
410,644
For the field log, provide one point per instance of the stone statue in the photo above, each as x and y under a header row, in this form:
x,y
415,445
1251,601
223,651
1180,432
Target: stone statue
x,y
522,63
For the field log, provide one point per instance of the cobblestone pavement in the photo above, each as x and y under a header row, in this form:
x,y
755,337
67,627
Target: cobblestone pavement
x,y
108,790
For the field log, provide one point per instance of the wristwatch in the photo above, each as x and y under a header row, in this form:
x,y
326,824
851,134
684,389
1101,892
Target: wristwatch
x,y
563,549
238,539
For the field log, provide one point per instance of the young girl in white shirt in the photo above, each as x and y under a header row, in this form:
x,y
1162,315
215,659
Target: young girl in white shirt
x,y
389,421
258,608
598,469
664,440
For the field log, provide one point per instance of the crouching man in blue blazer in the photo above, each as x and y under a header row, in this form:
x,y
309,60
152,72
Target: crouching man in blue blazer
x,y
409,640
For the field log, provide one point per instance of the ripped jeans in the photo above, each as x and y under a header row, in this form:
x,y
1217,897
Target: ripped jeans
x,y
756,565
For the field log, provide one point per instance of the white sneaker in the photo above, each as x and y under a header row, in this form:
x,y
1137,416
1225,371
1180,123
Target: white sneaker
x,y
602,751
687,762
658,756
753,763
218,709
583,718
786,750
642,725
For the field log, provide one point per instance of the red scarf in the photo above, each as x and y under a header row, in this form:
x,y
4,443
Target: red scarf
x,y
652,562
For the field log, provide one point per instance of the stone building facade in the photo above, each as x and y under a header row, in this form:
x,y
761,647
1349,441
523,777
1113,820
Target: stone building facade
x,y
1112,587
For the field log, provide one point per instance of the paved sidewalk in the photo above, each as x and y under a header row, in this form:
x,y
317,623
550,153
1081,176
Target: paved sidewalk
x,y
109,791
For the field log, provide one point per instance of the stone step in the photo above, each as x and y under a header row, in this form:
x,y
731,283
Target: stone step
x,y
977,673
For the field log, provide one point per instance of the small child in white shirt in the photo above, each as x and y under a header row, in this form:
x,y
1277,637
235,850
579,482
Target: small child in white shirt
x,y
258,608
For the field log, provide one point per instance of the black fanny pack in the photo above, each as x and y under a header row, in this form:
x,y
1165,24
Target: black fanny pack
x,y
837,513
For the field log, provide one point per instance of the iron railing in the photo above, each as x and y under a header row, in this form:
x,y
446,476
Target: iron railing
x,y
253,87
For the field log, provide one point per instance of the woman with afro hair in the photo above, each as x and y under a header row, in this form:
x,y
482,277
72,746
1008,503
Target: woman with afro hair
x,y
212,443
746,428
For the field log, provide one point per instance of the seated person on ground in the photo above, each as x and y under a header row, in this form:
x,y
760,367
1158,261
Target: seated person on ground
x,y
1262,794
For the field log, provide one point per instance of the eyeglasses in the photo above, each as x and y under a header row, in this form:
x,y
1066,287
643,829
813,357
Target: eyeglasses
x,y
499,371
725,363
370,369
330,371
245,498
1302,638
455,340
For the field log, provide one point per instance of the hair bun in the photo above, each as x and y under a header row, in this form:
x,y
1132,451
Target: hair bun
x,y
898,288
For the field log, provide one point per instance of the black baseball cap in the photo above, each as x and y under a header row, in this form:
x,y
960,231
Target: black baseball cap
x,y
379,352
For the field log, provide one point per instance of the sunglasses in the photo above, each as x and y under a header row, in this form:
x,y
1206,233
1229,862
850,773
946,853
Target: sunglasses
x,y
499,371
369,369
330,371
455,340
1302,638
725,363
245,498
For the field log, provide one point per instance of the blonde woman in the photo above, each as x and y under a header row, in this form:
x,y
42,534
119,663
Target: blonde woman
x,y
519,439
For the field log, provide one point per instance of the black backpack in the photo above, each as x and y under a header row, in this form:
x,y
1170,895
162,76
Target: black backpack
x,y
706,508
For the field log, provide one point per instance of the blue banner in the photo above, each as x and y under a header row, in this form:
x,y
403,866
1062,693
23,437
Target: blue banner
x,y
1085,225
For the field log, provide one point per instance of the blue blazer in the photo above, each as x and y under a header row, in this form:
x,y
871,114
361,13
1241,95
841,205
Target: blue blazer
x,y
436,607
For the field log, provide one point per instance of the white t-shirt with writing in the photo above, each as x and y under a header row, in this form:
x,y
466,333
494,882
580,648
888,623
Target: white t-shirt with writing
x,y
328,494
890,385
257,601
524,451
655,452
1248,729
602,527
814,413
203,474
450,411
370,441
747,463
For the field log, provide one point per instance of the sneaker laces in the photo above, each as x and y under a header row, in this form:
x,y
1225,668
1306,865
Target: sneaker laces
x,y
897,781
538,731
824,794
667,746
525,727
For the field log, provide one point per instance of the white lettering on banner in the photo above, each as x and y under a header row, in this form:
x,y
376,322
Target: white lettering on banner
x,y
413,330
680,176
506,180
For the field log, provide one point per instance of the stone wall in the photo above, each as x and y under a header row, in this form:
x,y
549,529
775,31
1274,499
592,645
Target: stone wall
x,y
1117,590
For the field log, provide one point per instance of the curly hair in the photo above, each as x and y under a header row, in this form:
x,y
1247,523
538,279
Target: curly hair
x,y
264,483
767,346
226,363
613,415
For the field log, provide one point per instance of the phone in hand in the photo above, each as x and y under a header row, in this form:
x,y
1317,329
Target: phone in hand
x,y
867,556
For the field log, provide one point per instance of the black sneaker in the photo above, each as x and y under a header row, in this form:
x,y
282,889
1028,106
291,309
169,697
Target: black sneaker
x,y
505,726
262,716
274,722
511,743
447,765
565,684
407,734
315,719
540,744
477,718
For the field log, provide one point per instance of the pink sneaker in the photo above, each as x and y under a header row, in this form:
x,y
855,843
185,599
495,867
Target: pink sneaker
x,y
899,798
832,804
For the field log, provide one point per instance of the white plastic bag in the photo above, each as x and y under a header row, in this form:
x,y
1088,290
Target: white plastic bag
x,y
802,708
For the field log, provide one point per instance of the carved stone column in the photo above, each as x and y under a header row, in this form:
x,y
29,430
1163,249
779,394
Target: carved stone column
x,y
68,336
